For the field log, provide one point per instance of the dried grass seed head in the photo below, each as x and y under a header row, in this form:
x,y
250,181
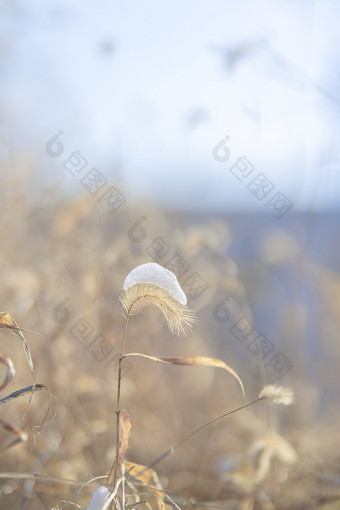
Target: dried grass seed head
x,y
152,284
277,395
178,318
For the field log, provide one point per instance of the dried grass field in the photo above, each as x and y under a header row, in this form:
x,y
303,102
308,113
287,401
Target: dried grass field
x,y
266,294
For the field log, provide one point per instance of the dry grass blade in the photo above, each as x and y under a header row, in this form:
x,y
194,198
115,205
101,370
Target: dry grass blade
x,y
23,391
20,436
6,321
16,328
171,501
157,497
142,474
124,441
39,476
147,478
10,373
141,502
202,361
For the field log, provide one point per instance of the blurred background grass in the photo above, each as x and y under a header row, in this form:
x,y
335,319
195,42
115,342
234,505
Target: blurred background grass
x,y
63,266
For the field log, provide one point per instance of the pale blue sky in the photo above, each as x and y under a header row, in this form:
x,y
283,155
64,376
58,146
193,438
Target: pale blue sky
x,y
145,90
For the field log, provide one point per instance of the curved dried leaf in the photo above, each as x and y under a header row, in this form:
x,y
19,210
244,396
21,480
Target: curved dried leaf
x,y
146,477
143,474
124,441
202,361
10,373
24,391
6,321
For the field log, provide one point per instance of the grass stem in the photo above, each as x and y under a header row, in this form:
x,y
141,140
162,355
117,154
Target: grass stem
x,y
113,475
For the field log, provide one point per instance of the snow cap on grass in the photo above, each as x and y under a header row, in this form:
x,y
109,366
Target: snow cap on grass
x,y
152,284
155,274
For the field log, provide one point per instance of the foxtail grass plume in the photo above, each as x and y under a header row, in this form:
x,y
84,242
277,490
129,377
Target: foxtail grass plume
x,y
277,395
152,284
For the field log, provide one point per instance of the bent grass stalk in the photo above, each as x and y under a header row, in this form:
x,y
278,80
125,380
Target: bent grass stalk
x,y
271,393
194,432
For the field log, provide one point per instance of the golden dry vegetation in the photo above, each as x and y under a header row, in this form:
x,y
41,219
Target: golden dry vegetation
x,y
63,263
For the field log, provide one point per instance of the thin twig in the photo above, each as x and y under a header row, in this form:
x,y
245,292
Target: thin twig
x,y
177,445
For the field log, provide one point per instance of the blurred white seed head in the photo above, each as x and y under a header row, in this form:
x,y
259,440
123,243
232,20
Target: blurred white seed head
x,y
277,395
152,284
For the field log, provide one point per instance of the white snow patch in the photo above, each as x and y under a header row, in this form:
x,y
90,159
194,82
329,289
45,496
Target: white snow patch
x,y
99,499
155,274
